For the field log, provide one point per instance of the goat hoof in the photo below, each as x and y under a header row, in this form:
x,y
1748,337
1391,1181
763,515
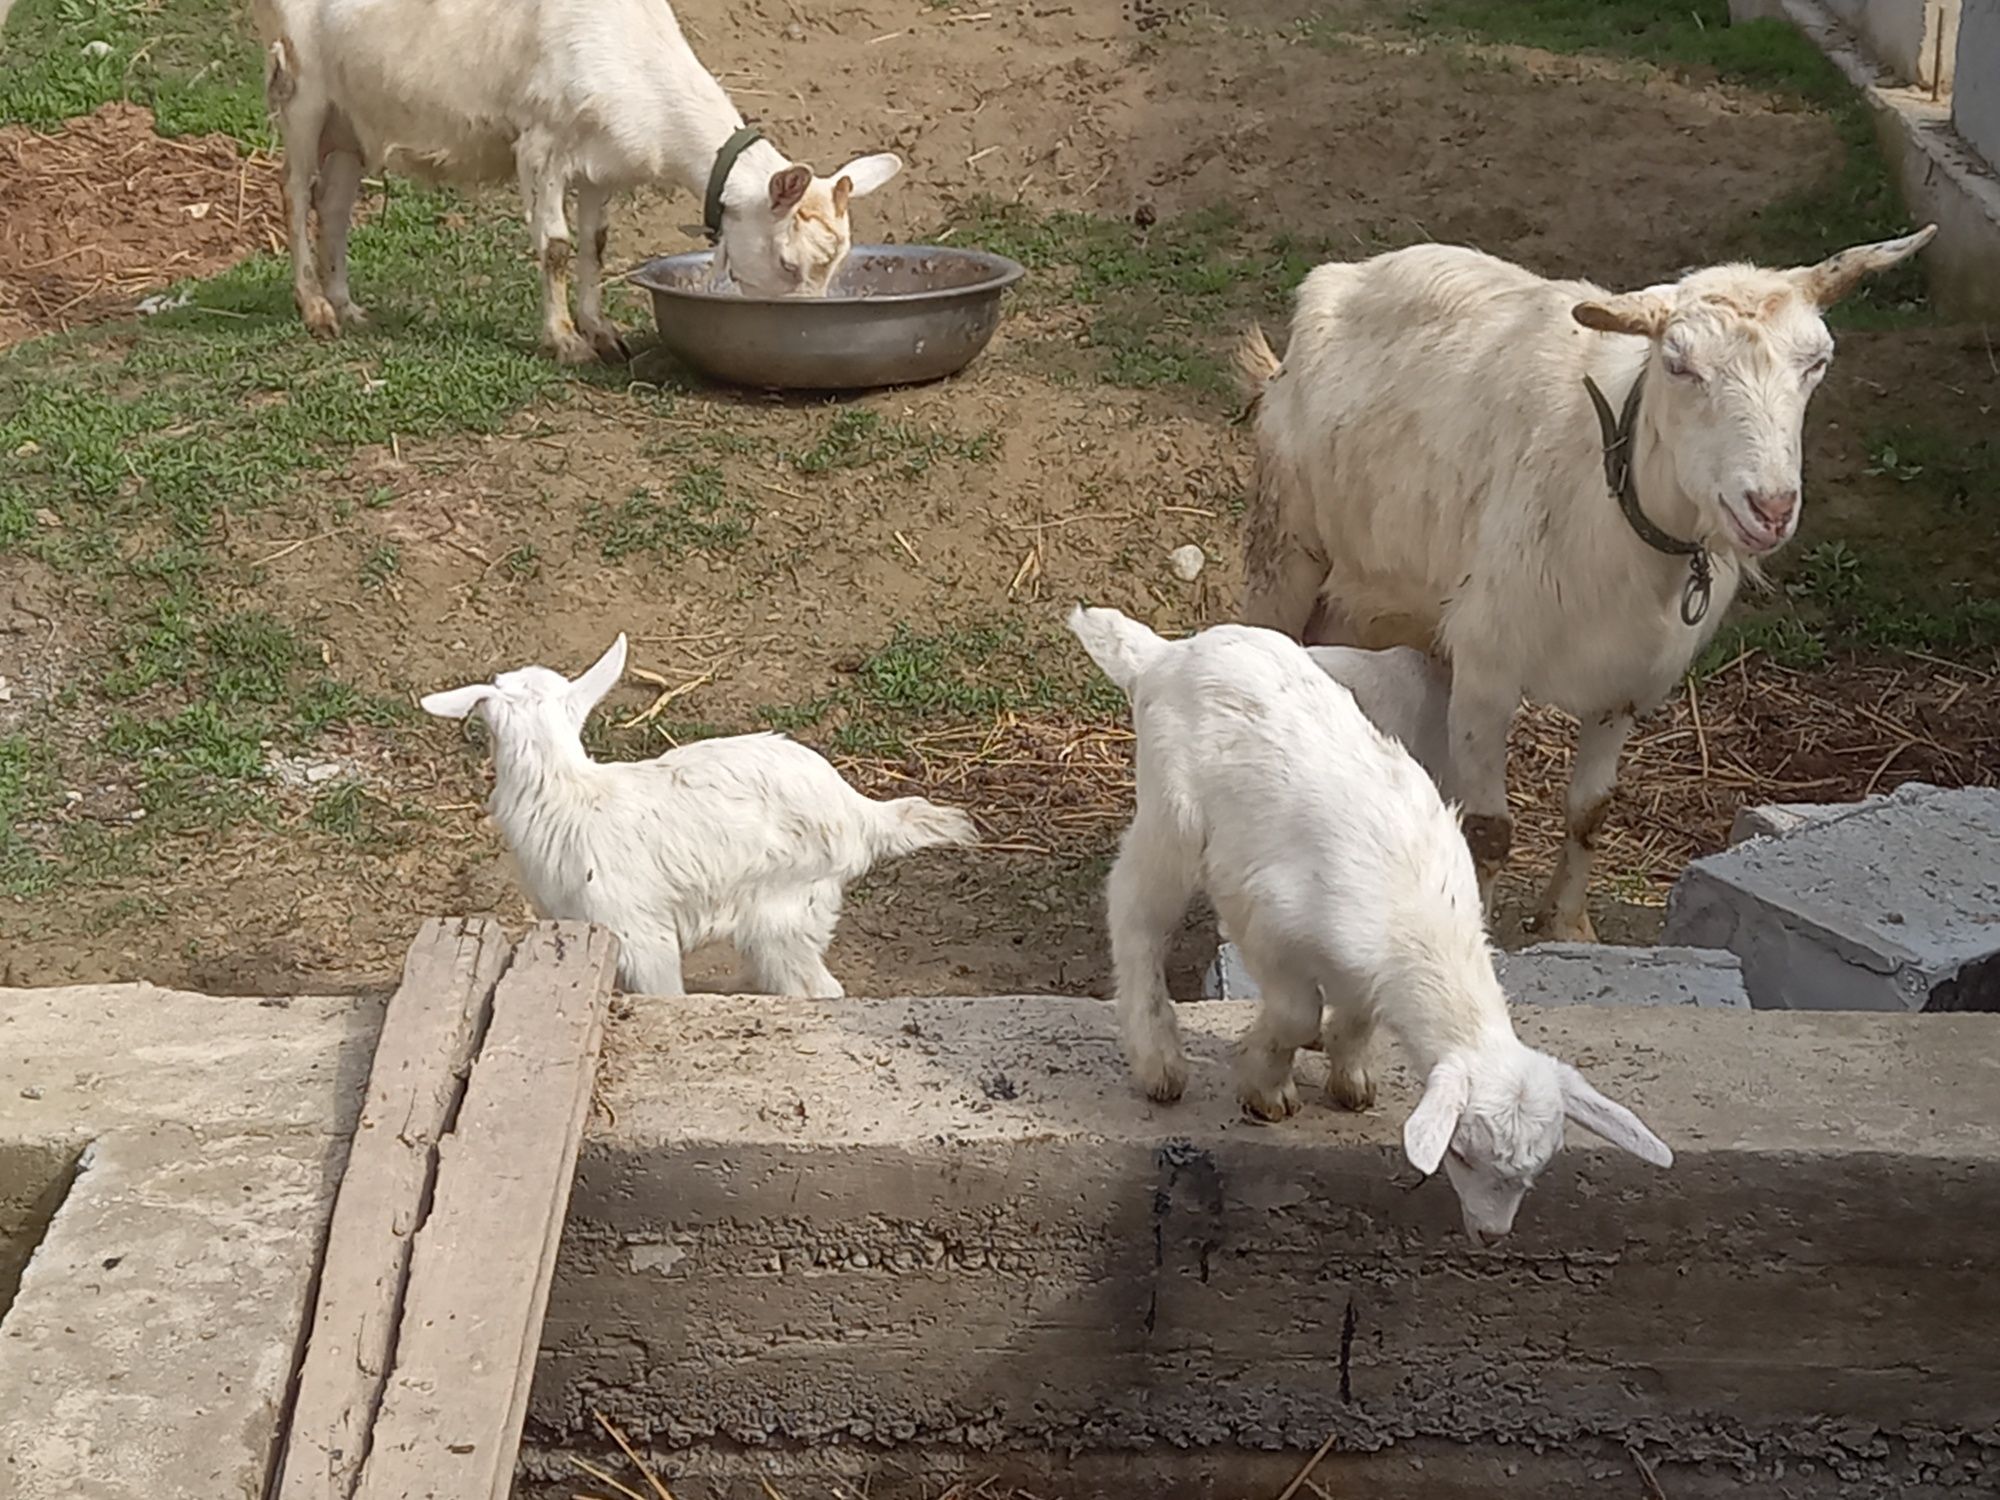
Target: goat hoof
x,y
320,318
610,349
1164,1079
568,348
1269,1106
1353,1090
352,316
1555,928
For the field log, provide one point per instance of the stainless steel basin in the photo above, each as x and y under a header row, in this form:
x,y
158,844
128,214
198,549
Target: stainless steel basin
x,y
895,315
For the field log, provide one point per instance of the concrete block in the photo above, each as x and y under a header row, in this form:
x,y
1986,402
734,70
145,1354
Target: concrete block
x,y
1604,974
1226,978
1567,974
1894,906
1975,97
913,1234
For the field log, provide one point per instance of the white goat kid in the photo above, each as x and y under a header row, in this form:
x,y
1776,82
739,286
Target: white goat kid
x,y
1432,470
1404,692
748,839
1342,873
590,96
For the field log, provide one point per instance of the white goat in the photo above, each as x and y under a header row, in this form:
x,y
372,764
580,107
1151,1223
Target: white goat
x,y
594,96
1342,873
748,839
1404,692
1437,465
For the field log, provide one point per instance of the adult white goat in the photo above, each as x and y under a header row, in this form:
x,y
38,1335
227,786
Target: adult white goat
x,y
1342,874
1437,462
594,96
747,840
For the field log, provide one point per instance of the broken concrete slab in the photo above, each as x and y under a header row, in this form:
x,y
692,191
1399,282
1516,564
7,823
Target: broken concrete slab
x,y
953,1231
1769,819
1892,906
1566,974
149,1349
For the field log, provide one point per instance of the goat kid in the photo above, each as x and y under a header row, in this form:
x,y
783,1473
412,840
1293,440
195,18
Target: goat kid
x,y
1433,470
748,839
1343,875
584,96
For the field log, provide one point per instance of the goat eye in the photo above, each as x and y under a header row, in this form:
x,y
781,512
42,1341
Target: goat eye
x,y
1817,368
1678,366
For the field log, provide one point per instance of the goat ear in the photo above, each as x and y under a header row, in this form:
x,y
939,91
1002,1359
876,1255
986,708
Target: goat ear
x,y
1434,1121
1637,314
1837,275
588,690
788,186
1610,1119
455,703
865,174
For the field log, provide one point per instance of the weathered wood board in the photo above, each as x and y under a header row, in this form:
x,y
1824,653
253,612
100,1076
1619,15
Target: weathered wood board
x,y
418,1077
451,1415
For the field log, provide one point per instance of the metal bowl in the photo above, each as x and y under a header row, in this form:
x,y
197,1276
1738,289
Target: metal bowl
x,y
894,315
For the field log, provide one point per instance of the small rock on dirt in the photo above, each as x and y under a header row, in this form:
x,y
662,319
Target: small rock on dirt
x,y
1187,562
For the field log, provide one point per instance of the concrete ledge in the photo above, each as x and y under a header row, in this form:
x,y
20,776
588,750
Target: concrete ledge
x,y
882,1233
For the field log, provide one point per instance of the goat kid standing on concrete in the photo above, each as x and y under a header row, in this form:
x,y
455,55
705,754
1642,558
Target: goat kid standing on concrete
x,y
1344,879
748,839
594,96
1557,488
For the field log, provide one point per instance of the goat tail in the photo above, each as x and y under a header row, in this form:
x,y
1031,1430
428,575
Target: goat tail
x,y
1119,644
1256,364
906,824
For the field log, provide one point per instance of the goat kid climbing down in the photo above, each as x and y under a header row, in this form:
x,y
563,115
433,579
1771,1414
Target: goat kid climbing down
x,y
1342,875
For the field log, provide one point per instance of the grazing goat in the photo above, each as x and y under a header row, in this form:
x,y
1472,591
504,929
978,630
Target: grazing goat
x,y
1339,868
748,839
1438,466
594,96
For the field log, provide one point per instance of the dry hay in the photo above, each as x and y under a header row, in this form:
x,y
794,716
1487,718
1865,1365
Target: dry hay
x,y
1753,732
103,210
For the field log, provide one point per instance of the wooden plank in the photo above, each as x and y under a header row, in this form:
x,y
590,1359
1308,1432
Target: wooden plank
x,y
450,1422
421,1061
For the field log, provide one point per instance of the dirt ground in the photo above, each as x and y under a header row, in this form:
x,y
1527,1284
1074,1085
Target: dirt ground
x,y
1567,165
95,215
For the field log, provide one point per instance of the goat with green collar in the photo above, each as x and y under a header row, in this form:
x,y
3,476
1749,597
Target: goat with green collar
x,y
565,97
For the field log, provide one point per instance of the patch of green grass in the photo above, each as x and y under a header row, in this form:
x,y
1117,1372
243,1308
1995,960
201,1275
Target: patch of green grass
x,y
856,437
1164,300
124,451
351,813
380,565
1962,477
1834,599
193,61
700,516
27,792
1854,204
919,680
